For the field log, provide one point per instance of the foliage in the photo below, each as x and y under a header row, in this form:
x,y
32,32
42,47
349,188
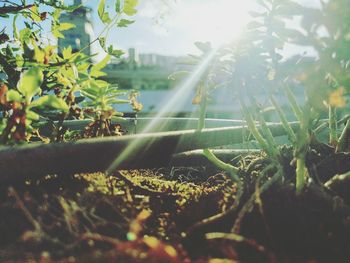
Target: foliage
x,y
254,65
42,85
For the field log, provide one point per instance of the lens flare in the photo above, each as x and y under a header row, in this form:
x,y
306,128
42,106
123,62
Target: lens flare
x,y
182,91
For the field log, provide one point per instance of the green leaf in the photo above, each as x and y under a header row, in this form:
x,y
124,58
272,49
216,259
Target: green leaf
x,y
102,41
104,16
39,54
101,8
115,52
14,26
101,83
50,101
130,7
96,69
31,115
125,22
67,52
19,61
102,63
57,33
24,34
29,83
65,26
118,7
13,95
56,14
34,14
119,101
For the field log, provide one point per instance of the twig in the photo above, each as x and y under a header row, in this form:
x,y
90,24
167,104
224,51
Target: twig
x,y
236,238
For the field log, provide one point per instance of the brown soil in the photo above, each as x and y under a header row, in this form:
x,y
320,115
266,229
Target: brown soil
x,y
179,215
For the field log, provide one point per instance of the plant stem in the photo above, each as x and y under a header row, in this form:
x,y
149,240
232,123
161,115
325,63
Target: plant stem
x,y
283,118
254,130
344,139
265,130
222,165
203,107
207,153
301,172
333,137
293,102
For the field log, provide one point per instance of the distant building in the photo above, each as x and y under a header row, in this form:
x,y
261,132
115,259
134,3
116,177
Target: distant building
x,y
80,36
144,71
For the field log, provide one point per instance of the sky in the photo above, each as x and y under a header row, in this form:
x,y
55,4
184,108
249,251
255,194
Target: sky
x,y
170,27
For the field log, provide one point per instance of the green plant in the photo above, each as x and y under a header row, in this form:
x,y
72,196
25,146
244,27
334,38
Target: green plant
x,y
256,68
42,85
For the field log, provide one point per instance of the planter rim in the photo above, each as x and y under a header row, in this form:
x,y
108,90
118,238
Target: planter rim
x,y
149,150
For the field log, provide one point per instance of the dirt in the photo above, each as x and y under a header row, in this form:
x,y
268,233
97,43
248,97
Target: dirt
x,y
180,215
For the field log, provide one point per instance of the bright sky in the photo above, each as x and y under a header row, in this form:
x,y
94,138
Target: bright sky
x,y
170,27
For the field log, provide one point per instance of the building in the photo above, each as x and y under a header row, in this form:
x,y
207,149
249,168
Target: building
x,y
80,36
144,71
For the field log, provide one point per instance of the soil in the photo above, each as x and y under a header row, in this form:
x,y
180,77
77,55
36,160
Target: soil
x,y
181,215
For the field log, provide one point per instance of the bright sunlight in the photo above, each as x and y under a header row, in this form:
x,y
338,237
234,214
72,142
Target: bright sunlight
x,y
216,21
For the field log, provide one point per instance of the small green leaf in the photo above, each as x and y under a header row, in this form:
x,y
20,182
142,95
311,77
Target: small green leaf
x,y
56,14
102,63
67,52
115,52
118,6
96,69
65,26
13,95
125,22
101,8
24,34
101,83
104,16
29,83
39,54
34,14
120,101
130,7
57,33
14,26
102,41
50,101
31,115
19,61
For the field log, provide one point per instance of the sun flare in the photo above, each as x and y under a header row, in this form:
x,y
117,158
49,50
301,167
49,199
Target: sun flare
x,y
217,21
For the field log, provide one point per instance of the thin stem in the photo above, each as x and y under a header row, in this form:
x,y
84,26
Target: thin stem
x,y
301,173
333,136
105,29
222,165
283,118
271,143
293,102
202,108
344,139
254,130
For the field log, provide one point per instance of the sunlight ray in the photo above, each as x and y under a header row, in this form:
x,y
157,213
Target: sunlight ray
x,y
183,91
